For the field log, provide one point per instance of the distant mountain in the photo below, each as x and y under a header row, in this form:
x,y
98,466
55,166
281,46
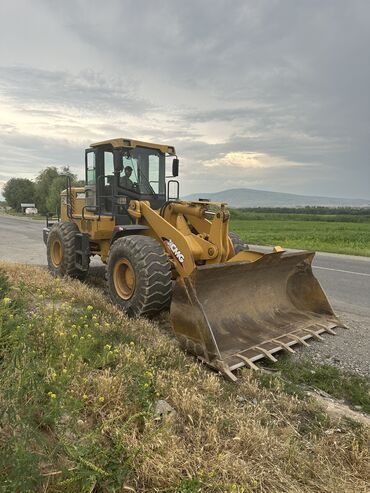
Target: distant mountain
x,y
247,197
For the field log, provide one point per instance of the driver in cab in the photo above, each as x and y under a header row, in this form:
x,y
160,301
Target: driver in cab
x,y
125,180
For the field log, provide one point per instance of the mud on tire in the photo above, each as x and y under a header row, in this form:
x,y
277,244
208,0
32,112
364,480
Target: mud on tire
x,y
238,244
61,251
139,275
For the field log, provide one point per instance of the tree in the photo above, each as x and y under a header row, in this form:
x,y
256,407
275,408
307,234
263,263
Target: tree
x,y
53,199
49,183
44,181
18,190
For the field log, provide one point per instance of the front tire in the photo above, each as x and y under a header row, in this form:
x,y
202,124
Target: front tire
x,y
61,251
139,275
238,244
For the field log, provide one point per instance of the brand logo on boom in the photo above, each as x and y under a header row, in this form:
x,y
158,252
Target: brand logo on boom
x,y
173,248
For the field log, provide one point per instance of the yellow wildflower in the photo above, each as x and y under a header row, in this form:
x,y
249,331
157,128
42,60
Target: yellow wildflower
x,y
6,301
101,398
89,308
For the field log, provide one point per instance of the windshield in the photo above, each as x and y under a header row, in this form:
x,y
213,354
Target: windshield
x,y
143,171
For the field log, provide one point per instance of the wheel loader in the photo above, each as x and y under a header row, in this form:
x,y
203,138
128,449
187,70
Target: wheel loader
x,y
229,306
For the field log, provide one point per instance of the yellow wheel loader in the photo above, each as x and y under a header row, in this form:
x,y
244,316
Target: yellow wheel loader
x,y
229,306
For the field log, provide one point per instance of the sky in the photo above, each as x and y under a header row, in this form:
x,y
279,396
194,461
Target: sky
x,y
272,95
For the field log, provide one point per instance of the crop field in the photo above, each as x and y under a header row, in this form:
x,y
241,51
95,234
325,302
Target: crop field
x,y
337,233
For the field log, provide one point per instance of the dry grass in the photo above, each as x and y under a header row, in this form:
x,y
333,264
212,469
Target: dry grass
x,y
100,433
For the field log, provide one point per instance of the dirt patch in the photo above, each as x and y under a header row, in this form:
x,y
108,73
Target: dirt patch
x,y
338,410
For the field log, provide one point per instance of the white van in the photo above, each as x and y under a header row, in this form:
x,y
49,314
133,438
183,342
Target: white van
x,y
31,210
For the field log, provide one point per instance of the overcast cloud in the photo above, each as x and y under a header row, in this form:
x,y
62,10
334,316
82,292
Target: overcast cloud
x,y
271,94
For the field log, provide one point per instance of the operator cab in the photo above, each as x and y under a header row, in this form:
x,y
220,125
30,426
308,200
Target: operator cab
x,y
121,170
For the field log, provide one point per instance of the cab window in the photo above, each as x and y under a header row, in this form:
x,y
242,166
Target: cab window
x,y
108,163
90,168
154,172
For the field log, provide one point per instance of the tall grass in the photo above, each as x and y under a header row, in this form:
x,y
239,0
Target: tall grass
x,y
78,392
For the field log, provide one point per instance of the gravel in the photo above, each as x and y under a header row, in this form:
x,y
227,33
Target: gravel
x,y
348,350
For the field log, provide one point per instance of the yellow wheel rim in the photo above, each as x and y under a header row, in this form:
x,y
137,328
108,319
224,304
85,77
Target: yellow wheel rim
x,y
56,253
124,279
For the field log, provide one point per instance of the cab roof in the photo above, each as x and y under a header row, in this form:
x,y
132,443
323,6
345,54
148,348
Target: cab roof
x,y
130,143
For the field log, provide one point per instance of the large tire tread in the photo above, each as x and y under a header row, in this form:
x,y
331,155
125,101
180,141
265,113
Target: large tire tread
x,y
153,289
238,244
66,233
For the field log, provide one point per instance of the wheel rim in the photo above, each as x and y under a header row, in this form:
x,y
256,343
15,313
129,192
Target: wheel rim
x,y
124,279
56,253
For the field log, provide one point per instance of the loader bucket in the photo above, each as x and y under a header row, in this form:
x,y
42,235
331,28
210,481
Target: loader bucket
x,y
235,313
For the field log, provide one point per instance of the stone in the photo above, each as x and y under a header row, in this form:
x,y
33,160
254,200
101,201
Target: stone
x,y
162,408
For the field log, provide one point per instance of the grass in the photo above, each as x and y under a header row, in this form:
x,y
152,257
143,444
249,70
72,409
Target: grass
x,y
313,232
77,408
37,217
353,389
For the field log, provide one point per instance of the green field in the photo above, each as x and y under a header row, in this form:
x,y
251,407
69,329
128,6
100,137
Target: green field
x,y
338,233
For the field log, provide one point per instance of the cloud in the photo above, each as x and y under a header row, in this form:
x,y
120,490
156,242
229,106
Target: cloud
x,y
47,93
250,160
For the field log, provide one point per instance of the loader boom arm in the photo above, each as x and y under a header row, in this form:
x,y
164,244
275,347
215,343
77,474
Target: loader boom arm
x,y
186,234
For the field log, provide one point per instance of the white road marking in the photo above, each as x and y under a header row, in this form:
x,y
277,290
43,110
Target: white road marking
x,y
345,271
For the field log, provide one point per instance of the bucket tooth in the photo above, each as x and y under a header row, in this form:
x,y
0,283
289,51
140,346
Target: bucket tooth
x,y
314,334
267,354
225,370
249,362
284,346
298,339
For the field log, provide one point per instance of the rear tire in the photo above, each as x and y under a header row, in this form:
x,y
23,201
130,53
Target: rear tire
x,y
238,244
139,275
61,251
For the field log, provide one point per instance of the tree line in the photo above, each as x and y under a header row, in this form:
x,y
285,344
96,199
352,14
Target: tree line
x,y
44,192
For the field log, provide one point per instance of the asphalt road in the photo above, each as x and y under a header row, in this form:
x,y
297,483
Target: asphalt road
x,y
344,278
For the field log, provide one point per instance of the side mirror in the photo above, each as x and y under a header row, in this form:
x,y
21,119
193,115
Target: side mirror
x,y
175,167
